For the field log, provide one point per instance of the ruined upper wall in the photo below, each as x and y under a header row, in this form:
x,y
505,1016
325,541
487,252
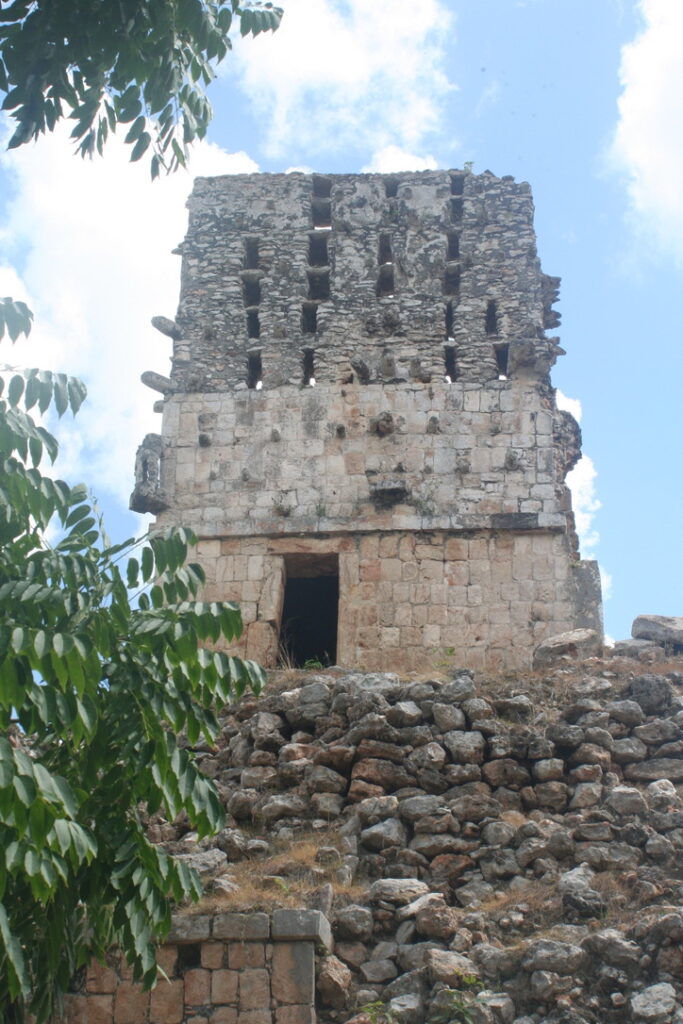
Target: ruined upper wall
x,y
361,277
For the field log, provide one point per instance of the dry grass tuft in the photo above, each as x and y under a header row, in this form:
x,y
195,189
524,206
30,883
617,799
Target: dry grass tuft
x,y
287,878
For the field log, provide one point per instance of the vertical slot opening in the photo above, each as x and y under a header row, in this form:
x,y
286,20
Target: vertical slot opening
x,y
491,317
391,187
451,279
322,186
385,280
310,611
450,363
449,321
253,324
384,249
457,184
251,289
308,364
319,285
317,250
254,371
502,352
309,318
453,246
456,210
251,253
322,213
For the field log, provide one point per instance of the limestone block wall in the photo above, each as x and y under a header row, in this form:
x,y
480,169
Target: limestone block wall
x,y
375,457
407,601
227,968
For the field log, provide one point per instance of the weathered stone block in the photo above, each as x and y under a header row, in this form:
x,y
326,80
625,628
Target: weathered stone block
x,y
166,1004
241,927
293,973
299,925
130,1003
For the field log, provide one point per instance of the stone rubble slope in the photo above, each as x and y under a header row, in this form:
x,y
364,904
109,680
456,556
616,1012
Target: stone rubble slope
x,y
511,856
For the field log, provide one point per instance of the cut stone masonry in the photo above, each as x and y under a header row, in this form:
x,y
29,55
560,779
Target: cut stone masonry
x,y
360,398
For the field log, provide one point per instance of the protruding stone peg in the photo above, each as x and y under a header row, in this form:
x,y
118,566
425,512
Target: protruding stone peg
x,y
167,327
156,381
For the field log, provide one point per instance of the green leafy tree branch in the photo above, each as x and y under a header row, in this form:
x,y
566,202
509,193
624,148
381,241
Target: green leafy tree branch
x,y
106,656
143,64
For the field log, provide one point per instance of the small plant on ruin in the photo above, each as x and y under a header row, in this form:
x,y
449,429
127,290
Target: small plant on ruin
x,y
378,1012
457,1006
281,506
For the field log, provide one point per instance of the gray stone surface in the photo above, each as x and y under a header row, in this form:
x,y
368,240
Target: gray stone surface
x,y
575,643
663,629
241,927
299,925
654,1004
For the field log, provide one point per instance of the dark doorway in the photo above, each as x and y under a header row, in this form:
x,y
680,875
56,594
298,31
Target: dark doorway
x,y
310,612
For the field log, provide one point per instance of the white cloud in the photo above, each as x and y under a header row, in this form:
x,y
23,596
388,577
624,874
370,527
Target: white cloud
x,y
572,405
364,73
585,502
393,158
648,142
88,245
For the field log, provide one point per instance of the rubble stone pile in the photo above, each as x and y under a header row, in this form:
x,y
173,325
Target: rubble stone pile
x,y
495,855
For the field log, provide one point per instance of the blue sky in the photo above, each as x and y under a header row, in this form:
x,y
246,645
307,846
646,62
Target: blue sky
x,y
579,97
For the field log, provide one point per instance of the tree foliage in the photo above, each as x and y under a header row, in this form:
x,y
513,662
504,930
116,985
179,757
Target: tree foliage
x,y
140,63
106,656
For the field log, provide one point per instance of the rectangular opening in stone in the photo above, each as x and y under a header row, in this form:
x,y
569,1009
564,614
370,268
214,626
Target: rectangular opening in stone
x,y
451,279
491,317
502,352
309,318
322,186
319,284
449,321
391,187
251,290
457,184
251,253
322,213
308,365
254,371
450,363
453,247
385,280
384,248
317,250
253,324
311,610
456,210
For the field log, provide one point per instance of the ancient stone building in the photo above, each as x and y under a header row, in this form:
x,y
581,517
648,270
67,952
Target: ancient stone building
x,y
359,423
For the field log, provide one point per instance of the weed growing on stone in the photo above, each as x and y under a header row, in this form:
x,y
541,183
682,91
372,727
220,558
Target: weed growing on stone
x,y
378,1012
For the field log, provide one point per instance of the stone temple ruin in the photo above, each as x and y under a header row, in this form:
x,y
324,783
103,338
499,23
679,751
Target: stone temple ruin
x,y
359,424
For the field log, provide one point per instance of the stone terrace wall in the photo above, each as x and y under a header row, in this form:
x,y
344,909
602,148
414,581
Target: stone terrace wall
x,y
223,969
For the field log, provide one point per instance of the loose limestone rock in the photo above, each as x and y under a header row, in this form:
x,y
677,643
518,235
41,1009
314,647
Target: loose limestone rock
x,y
663,629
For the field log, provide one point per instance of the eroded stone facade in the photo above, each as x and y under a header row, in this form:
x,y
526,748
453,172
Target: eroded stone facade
x,y
360,391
